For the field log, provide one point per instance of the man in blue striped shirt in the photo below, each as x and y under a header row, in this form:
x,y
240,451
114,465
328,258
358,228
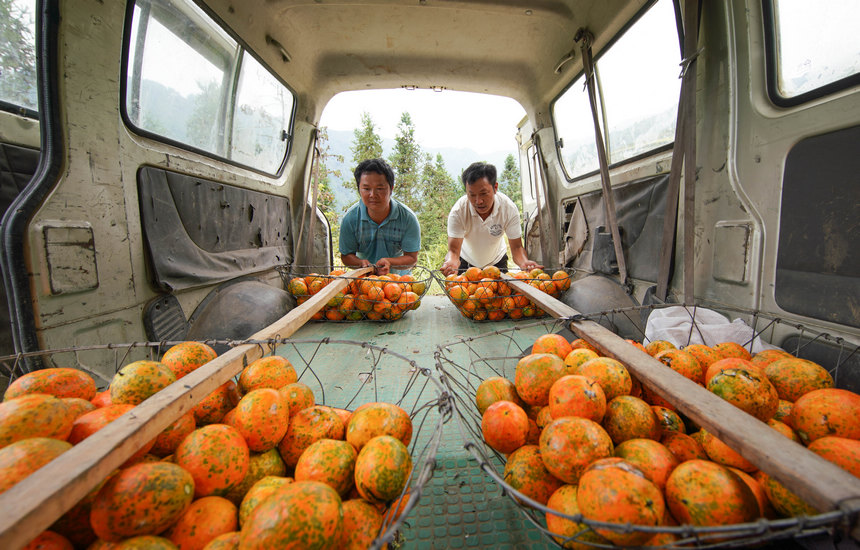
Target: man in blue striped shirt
x,y
378,230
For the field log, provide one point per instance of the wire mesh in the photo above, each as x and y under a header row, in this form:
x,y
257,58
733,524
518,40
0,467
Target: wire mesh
x,y
341,373
366,298
490,298
463,364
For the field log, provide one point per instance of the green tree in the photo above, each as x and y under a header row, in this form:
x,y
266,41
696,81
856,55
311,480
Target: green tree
x,y
439,191
406,161
366,144
326,199
17,56
509,182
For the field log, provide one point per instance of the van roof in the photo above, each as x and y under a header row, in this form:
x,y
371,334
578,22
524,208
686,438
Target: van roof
x,y
503,47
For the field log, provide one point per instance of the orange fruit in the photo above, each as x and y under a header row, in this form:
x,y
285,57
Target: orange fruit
x,y
793,377
535,374
765,357
683,446
563,500
765,510
495,388
187,356
748,390
610,374
552,343
721,453
580,343
472,274
613,490
297,396
458,294
376,418
306,427
382,469
216,456
732,349
575,395
392,291
699,492
526,472
483,295
491,272
60,382
728,363
35,415
505,426
328,461
669,420
655,347
705,355
784,501
480,315
577,357
273,523
361,524
841,451
784,429
298,287
629,417
272,372
683,363
651,458
561,280
569,444
828,411
261,417
205,519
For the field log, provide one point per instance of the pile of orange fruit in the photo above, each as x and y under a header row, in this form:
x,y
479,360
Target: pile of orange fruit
x,y
482,295
385,297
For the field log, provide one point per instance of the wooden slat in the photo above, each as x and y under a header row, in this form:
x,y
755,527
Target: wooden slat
x,y
35,503
819,482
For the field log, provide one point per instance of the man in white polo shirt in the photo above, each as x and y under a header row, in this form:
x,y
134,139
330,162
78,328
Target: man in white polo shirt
x,y
477,223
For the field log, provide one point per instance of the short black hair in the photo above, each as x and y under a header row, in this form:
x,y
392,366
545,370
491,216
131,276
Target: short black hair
x,y
377,166
478,170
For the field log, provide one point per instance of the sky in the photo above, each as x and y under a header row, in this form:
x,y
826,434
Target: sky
x,y
483,123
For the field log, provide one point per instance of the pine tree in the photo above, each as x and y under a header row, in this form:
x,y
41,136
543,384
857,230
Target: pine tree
x,y
366,144
509,182
439,192
406,161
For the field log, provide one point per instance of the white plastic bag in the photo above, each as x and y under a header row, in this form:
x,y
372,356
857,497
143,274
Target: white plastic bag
x,y
676,324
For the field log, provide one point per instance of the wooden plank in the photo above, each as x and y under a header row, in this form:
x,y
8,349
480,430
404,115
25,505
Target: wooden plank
x,y
35,503
819,482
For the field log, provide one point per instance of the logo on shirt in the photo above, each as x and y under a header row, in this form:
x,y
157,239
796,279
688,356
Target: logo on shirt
x,y
496,230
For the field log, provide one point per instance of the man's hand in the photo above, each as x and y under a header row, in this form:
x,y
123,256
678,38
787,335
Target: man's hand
x,y
450,266
528,265
383,266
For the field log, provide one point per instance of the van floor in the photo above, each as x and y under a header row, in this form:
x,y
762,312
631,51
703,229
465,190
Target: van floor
x,y
461,506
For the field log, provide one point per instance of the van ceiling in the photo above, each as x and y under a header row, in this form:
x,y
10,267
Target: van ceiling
x,y
503,47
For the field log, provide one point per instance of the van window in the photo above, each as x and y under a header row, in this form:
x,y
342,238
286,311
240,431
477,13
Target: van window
x,y
811,45
18,57
638,87
190,83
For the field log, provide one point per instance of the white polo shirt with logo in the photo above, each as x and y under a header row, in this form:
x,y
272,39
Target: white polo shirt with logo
x,y
483,242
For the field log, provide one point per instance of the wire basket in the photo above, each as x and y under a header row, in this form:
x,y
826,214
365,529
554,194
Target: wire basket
x,y
367,298
463,364
491,298
342,374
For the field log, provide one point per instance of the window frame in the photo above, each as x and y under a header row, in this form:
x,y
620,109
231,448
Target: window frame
x,y
771,68
601,104
228,103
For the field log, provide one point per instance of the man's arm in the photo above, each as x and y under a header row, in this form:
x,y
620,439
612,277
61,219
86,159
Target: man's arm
x,y
351,260
519,255
452,258
384,265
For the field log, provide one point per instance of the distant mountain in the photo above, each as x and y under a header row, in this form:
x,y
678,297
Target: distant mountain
x,y
456,160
